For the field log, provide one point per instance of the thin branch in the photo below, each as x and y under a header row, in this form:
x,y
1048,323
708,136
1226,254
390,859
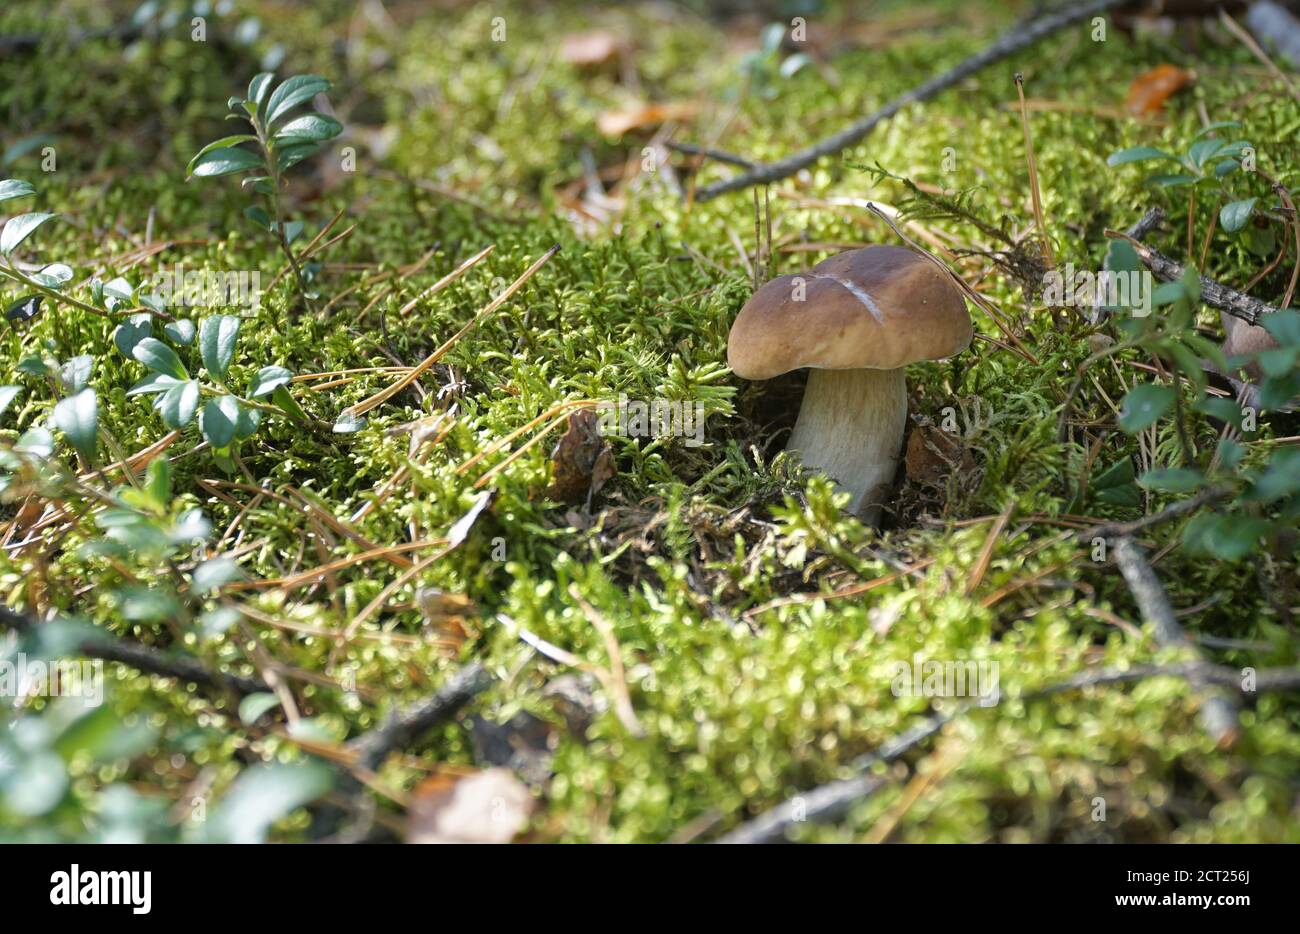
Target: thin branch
x,y
1218,713
404,726
1018,37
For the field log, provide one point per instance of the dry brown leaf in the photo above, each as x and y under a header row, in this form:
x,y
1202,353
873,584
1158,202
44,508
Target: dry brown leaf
x,y
491,806
933,455
1149,90
582,462
643,116
586,49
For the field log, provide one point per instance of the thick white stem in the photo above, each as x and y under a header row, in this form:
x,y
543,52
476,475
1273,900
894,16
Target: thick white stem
x,y
850,428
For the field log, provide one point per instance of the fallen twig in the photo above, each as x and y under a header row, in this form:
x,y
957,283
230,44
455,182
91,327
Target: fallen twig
x,y
1017,38
1214,294
1218,713
405,725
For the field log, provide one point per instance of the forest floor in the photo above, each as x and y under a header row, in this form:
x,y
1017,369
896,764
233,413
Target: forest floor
x,y
704,636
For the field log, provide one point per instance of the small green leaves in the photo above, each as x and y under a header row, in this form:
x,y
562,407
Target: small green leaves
x,y
25,309
54,276
217,338
1282,478
1143,405
224,420
1233,217
1284,326
254,706
1115,485
158,357
226,142
291,93
20,228
78,418
258,88
1138,154
267,380
178,404
14,188
1226,537
312,127
224,161
1171,479
181,331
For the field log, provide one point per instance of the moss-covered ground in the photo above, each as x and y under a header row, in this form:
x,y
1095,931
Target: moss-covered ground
x,y
462,142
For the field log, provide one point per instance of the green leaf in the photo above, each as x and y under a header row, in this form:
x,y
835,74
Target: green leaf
x,y
258,88
313,126
291,93
54,276
14,188
36,785
75,373
223,162
1171,181
1121,257
214,574
262,795
267,380
1115,485
348,422
255,705
158,482
177,404
154,382
285,401
1138,154
158,357
289,156
1284,326
1231,453
36,441
182,331
218,336
218,420
1278,361
1220,125
20,228
1171,479
1144,404
1233,216
259,217
1276,392
1226,537
1202,151
1281,478
25,309
1225,410
226,142
78,418
7,395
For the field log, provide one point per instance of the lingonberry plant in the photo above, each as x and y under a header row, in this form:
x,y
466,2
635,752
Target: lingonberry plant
x,y
283,140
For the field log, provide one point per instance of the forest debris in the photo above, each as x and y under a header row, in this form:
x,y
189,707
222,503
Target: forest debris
x,y
1149,91
933,455
582,461
524,744
1219,711
407,724
491,806
642,116
588,49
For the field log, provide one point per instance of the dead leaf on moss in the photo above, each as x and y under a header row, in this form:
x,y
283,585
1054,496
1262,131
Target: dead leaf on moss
x,y
582,462
587,49
933,455
643,116
491,806
1149,90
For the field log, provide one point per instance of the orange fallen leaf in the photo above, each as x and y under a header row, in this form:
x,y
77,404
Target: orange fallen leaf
x,y
1149,90
618,122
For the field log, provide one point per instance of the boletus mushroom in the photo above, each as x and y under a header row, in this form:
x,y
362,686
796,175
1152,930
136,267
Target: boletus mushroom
x,y
856,320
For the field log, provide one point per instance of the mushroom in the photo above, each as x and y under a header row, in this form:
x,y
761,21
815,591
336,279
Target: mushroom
x,y
856,320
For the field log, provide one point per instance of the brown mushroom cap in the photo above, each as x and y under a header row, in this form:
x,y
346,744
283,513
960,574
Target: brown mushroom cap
x,y
881,307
